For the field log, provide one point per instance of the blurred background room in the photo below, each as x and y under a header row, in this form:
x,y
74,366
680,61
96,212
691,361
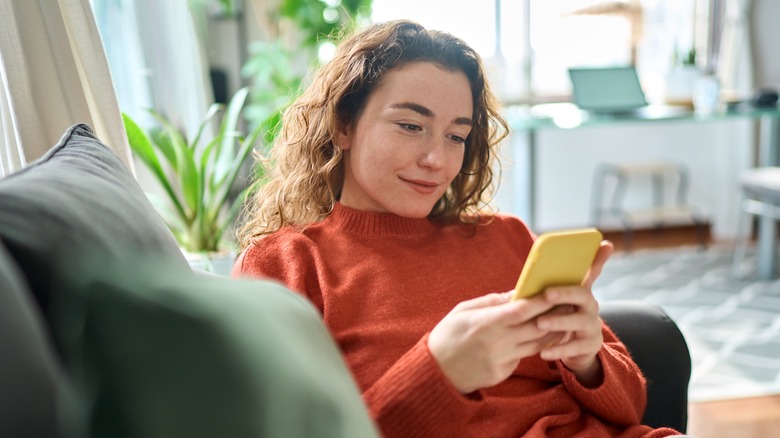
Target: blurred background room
x,y
666,186
551,163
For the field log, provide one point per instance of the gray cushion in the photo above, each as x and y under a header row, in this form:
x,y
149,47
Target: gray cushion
x,y
77,199
29,376
172,353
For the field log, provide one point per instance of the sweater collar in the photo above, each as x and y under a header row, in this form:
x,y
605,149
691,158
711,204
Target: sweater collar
x,y
378,224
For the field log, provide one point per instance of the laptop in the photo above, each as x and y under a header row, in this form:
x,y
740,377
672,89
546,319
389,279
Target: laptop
x,y
607,90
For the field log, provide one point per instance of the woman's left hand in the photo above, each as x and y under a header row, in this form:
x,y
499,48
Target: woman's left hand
x,y
579,348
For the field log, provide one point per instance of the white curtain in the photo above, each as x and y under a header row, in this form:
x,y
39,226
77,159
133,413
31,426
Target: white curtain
x,y
735,60
54,74
156,59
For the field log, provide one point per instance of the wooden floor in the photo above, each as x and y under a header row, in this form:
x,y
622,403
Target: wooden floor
x,y
659,238
757,417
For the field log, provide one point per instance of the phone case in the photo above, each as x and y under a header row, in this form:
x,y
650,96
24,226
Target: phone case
x,y
558,258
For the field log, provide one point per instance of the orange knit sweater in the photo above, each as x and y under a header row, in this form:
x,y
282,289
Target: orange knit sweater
x,y
382,282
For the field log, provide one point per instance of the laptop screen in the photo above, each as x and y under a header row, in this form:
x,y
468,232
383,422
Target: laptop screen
x,y
607,89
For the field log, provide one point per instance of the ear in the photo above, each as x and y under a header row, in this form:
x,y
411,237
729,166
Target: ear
x,y
343,137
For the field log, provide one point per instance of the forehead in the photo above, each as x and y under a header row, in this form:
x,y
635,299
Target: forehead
x,y
426,83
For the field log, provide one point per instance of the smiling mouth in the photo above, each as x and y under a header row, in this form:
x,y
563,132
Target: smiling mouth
x,y
421,186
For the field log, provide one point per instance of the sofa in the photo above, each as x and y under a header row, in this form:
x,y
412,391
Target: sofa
x,y
105,330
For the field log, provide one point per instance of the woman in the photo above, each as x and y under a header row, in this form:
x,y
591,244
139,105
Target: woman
x,y
376,211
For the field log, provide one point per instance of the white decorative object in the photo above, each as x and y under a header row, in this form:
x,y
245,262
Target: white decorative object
x,y
706,92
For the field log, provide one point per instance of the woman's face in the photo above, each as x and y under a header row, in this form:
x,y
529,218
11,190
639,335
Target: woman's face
x,y
408,144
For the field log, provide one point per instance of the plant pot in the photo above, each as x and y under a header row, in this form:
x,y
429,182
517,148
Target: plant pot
x,y
220,263
680,81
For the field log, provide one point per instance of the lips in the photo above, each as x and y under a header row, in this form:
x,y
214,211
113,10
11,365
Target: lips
x,y
421,186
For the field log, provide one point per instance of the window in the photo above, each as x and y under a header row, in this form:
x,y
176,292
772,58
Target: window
x,y
529,44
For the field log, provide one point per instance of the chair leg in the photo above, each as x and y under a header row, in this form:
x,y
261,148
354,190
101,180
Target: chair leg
x,y
740,244
657,180
628,235
595,199
701,233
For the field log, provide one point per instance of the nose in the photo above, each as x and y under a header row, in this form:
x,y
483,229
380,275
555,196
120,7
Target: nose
x,y
432,155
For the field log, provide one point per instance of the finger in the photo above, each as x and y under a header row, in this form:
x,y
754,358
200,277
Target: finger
x,y
560,309
602,255
576,322
550,339
572,349
521,311
534,346
578,296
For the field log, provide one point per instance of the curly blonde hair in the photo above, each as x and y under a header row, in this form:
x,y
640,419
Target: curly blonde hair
x,y
306,169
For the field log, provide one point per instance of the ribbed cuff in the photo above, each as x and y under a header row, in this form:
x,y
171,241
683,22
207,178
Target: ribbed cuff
x,y
621,397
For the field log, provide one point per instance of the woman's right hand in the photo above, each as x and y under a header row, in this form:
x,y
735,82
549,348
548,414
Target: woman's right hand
x,y
481,341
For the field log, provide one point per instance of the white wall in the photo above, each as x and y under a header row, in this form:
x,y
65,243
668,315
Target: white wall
x,y
713,152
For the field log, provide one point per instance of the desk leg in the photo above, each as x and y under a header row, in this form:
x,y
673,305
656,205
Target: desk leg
x,y
532,204
766,251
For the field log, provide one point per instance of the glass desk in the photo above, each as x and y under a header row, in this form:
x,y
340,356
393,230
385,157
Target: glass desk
x,y
528,120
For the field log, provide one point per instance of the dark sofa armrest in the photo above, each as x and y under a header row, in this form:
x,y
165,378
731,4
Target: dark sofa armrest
x,y
661,352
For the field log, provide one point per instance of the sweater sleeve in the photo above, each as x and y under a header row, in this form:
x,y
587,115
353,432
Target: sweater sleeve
x,y
291,261
621,398
414,395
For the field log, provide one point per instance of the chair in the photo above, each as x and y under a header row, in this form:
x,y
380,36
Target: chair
x,y
665,177
760,189
661,352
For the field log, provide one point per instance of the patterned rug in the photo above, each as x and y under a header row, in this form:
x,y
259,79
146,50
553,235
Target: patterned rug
x,y
732,325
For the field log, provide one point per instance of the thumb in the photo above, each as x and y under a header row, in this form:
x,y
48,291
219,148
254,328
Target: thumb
x,y
488,300
602,255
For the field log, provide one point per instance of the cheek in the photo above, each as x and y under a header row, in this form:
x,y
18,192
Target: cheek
x,y
379,152
369,165
455,162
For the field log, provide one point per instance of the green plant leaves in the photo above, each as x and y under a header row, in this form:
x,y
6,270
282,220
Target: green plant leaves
x,y
198,177
183,161
228,130
144,148
276,68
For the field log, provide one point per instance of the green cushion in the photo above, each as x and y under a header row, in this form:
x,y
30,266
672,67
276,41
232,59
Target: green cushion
x,y
77,199
151,348
177,354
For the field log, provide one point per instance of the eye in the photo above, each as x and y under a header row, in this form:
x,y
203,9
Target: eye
x,y
410,127
457,139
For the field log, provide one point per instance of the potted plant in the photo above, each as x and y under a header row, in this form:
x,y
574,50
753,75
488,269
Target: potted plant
x,y
197,177
681,78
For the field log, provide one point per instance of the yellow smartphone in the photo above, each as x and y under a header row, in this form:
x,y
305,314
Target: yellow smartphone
x,y
558,258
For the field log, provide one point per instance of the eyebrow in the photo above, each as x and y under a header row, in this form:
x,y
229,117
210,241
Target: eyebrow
x,y
427,112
